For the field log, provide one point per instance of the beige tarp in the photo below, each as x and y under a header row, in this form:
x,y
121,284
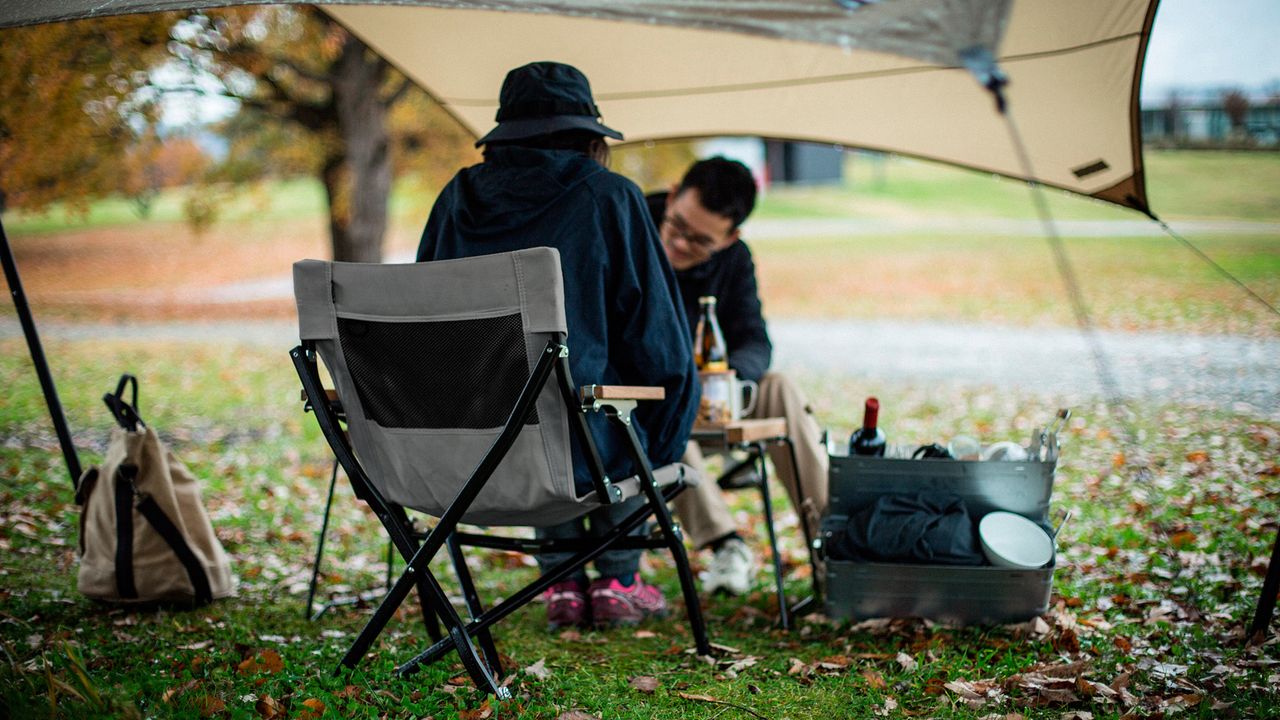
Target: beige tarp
x,y
885,76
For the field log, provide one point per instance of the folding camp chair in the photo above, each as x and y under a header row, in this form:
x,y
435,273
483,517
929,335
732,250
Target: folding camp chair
x,y
443,371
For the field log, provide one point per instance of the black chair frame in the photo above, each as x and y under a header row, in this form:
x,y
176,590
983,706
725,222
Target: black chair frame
x,y
419,549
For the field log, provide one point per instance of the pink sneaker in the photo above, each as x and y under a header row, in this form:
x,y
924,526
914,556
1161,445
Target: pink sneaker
x,y
566,605
613,605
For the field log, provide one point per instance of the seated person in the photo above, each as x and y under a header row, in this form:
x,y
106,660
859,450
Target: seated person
x,y
698,221
542,183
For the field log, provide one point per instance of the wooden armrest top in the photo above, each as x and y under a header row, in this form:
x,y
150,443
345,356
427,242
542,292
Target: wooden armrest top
x,y
622,392
329,394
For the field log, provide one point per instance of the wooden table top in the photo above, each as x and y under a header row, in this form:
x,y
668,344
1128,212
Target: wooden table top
x,y
744,431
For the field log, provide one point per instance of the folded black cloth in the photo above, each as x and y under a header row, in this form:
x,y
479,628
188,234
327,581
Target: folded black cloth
x,y
932,529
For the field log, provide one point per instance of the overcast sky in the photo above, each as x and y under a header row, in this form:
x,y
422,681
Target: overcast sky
x,y
1199,43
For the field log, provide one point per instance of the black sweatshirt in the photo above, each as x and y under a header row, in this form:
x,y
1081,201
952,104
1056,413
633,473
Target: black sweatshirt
x,y
730,275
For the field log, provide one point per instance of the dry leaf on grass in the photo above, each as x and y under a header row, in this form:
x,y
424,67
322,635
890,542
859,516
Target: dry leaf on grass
x,y
208,705
269,708
267,661
484,712
874,679
907,662
644,683
539,669
313,709
174,692
889,706
577,715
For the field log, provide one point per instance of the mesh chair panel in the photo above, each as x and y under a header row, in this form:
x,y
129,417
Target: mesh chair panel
x,y
437,374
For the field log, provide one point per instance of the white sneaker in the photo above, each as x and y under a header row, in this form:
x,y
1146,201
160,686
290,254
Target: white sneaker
x,y
732,569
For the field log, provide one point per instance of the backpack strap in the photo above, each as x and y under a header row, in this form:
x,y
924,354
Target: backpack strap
x,y
124,490
152,511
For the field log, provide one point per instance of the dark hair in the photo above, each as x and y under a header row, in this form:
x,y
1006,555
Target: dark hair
x,y
725,187
588,143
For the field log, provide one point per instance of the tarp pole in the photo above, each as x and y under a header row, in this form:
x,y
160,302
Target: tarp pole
x,y
37,358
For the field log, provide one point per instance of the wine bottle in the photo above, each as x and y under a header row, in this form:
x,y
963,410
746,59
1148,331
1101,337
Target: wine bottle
x,y
709,351
868,439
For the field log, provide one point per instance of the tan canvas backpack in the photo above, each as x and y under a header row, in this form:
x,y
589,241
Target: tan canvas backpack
x,y
144,532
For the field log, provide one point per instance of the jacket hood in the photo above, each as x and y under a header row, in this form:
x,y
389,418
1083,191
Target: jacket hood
x,y
514,186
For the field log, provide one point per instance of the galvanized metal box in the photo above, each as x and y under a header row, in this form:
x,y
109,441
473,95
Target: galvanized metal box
x,y
946,593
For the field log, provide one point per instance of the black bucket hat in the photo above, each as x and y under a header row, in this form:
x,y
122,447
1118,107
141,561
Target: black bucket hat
x,y
545,97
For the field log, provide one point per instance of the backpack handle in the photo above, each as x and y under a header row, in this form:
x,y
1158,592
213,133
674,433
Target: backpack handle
x,y
125,412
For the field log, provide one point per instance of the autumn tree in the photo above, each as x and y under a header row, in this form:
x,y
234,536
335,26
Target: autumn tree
x,y
69,107
1236,105
315,94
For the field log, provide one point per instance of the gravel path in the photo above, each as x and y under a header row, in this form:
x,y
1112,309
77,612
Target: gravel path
x,y
1225,372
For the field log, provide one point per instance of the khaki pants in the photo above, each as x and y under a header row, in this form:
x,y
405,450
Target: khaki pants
x,y
702,510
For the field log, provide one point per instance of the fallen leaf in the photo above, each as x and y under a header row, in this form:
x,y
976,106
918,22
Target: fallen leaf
x,y
644,683
1076,715
269,708
577,715
484,712
1197,456
539,669
208,705
314,709
267,661
907,662
350,691
1183,539
889,706
171,693
642,634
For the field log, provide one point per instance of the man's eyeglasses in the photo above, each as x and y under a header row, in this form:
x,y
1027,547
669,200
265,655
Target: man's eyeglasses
x,y
702,244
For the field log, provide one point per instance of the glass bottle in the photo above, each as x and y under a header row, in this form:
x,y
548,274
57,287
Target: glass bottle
x,y
709,351
868,439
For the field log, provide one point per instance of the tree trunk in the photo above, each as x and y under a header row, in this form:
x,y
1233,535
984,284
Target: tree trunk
x,y
357,176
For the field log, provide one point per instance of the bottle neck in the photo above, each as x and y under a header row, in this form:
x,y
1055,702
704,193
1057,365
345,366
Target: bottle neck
x,y
870,414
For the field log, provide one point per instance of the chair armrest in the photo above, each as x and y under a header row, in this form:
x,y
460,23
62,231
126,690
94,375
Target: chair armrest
x,y
591,393
331,398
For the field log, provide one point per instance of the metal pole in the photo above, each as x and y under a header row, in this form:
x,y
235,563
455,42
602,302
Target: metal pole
x,y
37,358
1267,601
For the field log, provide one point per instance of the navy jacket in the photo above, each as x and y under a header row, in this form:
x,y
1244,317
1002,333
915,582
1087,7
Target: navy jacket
x,y
730,275
624,326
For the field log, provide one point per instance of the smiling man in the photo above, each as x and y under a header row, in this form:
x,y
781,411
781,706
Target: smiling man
x,y
699,222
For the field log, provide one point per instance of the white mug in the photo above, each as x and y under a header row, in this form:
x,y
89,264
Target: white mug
x,y
725,398
744,389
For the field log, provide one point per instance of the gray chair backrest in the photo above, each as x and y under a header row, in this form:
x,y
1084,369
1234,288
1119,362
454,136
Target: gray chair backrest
x,y
428,360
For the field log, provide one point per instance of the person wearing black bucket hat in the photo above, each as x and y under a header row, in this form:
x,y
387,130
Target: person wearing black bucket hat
x,y
543,183
543,98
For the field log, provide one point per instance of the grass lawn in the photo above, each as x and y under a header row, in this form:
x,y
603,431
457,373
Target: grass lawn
x,y
1156,578
1158,572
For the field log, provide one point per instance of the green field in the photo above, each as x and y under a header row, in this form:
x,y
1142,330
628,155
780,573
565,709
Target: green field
x,y
1174,508
1158,574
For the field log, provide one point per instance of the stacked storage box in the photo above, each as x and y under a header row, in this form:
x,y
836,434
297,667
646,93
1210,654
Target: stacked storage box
x,y
947,593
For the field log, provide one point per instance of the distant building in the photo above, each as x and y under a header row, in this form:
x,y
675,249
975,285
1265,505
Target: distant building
x,y
1202,119
802,163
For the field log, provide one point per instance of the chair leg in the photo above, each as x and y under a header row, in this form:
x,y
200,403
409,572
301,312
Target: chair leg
x,y
474,607
523,596
429,615
675,541
418,573
810,532
784,615
1267,599
324,529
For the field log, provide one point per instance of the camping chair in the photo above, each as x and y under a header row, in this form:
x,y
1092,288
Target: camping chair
x,y
443,370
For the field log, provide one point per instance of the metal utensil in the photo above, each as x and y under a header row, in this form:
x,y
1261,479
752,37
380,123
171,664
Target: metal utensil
x,y
1066,515
1059,423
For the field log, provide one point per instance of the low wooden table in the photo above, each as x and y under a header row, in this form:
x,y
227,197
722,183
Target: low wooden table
x,y
754,435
